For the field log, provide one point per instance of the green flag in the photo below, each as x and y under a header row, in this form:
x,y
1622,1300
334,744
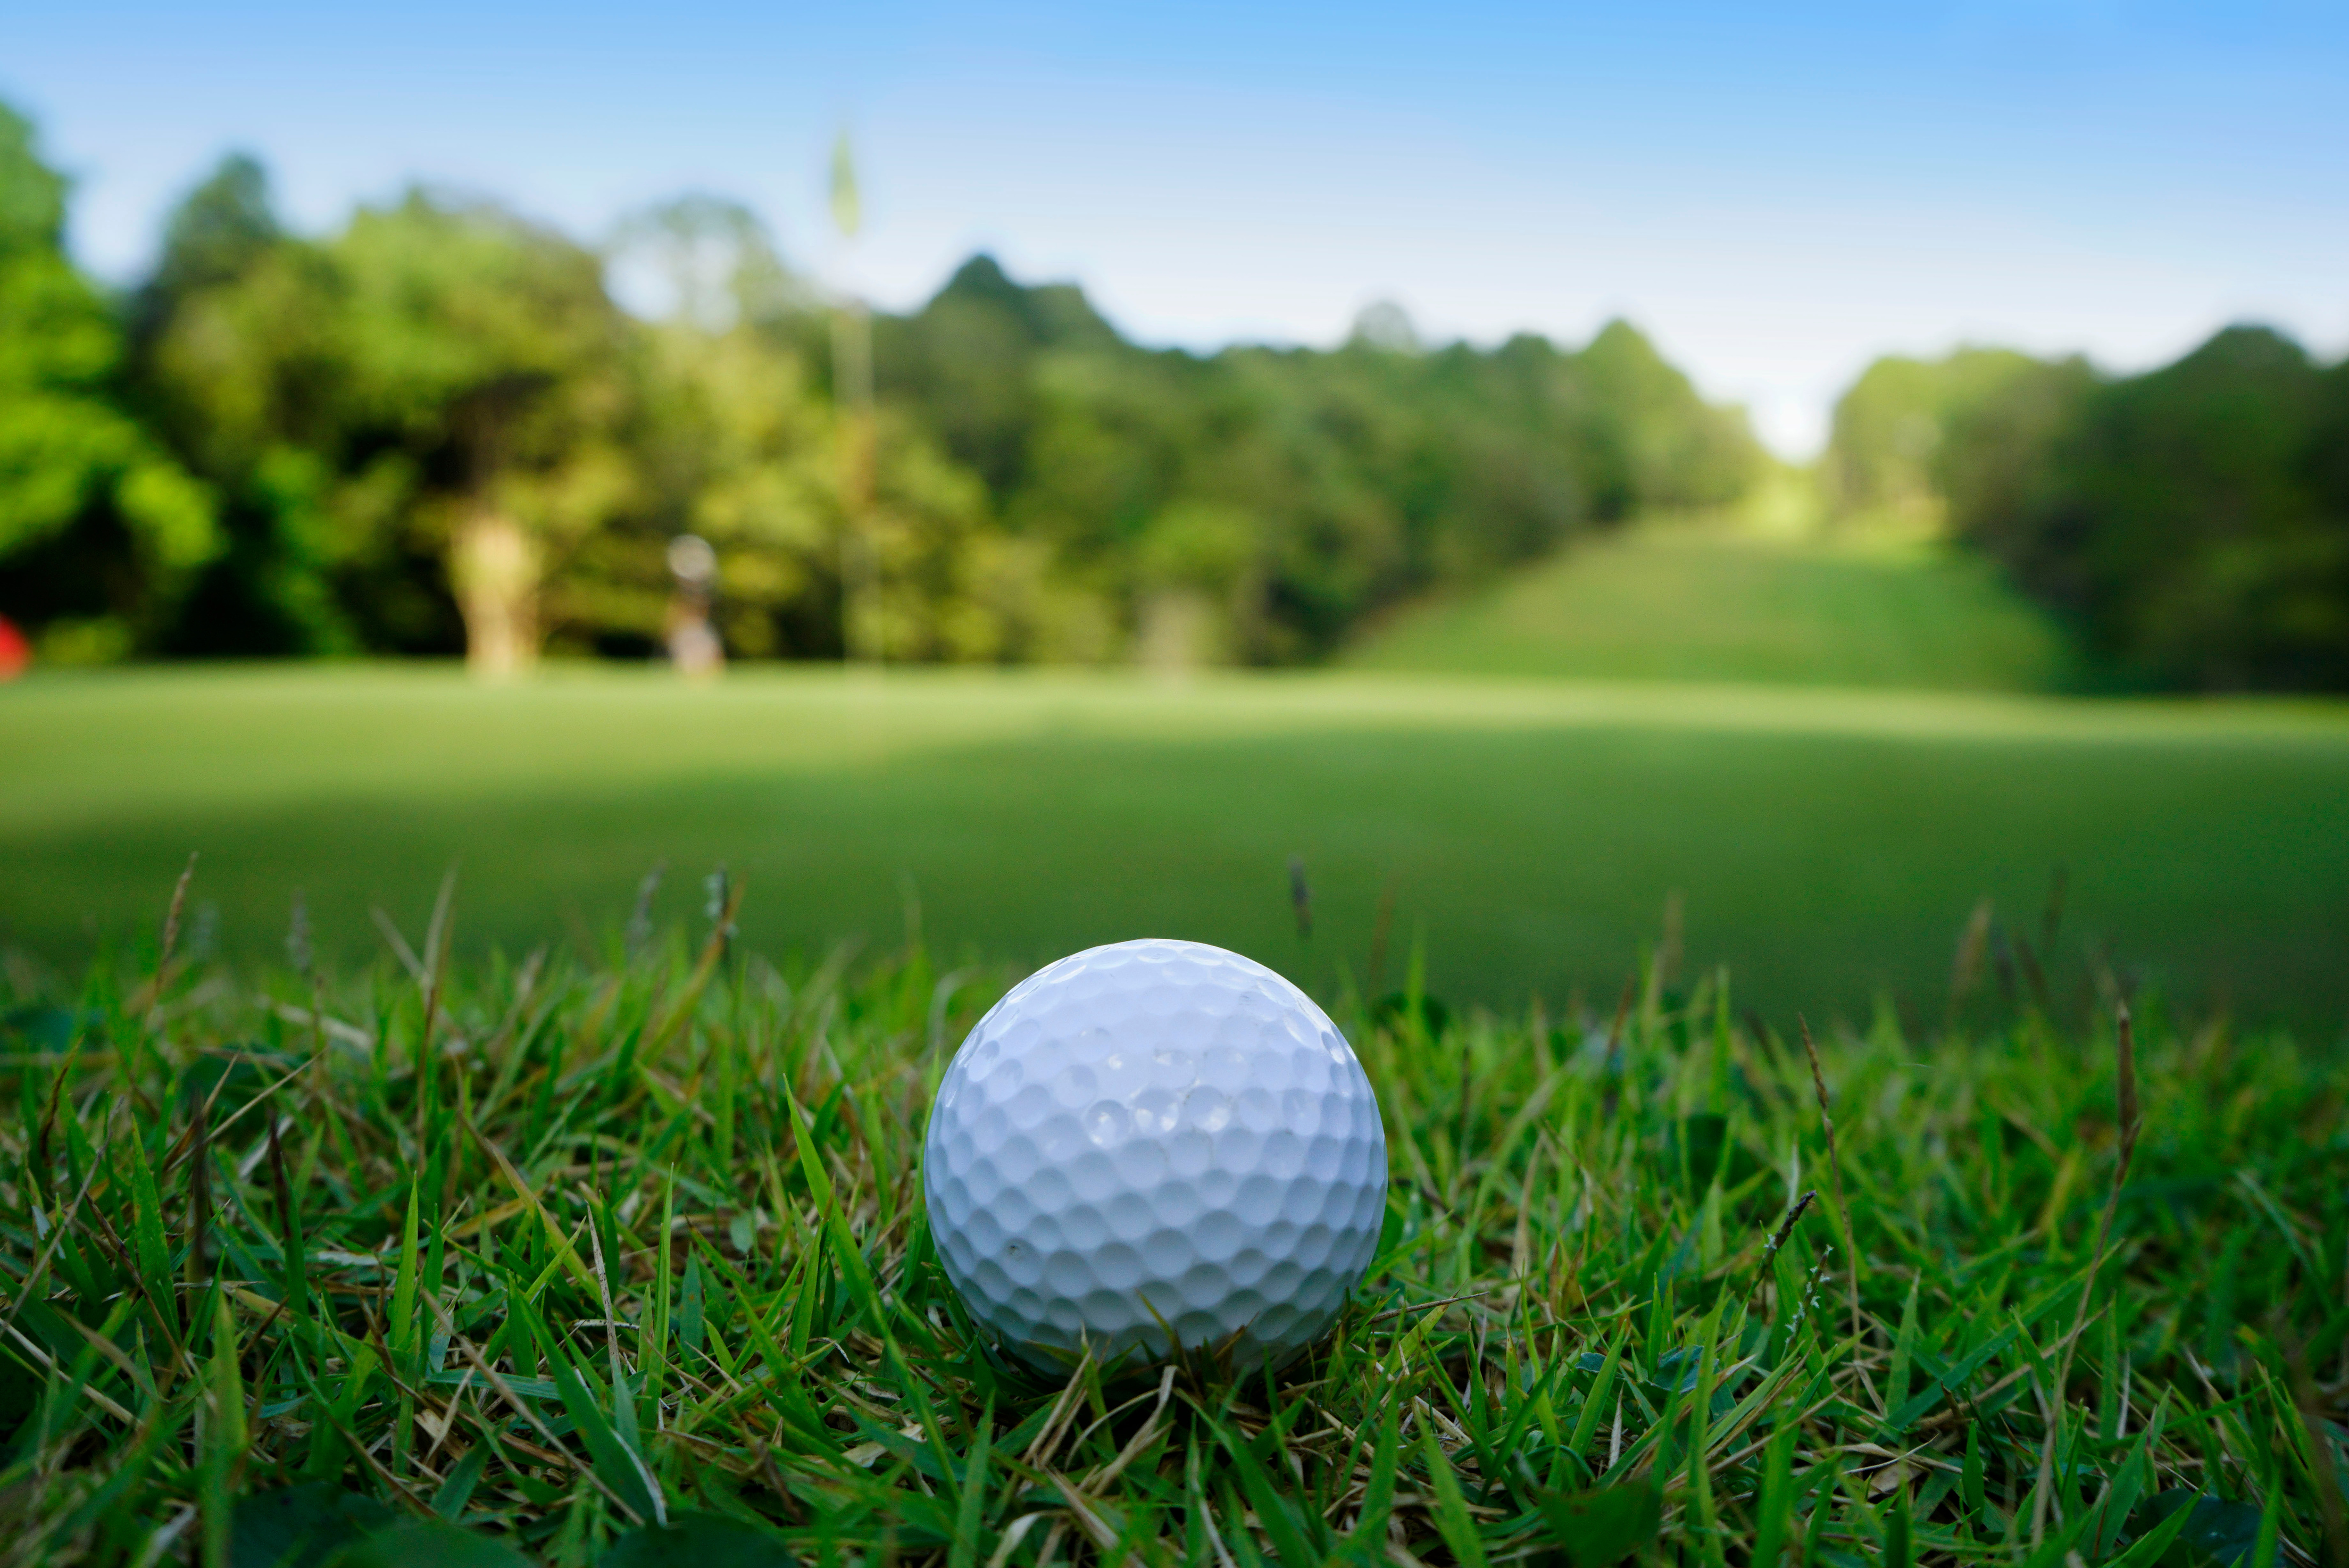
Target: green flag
x,y
848,210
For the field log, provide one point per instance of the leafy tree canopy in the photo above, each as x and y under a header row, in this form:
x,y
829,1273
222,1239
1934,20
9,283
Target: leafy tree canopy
x,y
100,531
435,428
2191,522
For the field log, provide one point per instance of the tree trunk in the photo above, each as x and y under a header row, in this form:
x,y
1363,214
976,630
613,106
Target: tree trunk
x,y
494,566
1180,631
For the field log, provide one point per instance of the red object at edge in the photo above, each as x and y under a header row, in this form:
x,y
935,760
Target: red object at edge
x,y
15,653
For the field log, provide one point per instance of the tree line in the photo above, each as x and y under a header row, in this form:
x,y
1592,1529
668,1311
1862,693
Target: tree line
x,y
2190,524
435,430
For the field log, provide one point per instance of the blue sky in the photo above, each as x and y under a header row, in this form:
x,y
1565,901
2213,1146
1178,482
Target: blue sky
x,y
1776,192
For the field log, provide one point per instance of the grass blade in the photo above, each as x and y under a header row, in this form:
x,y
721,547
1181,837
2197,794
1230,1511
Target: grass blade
x,y
1451,1518
620,1468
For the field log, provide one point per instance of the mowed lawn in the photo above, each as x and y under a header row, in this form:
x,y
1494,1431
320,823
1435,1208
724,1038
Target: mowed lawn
x,y
1827,846
1706,600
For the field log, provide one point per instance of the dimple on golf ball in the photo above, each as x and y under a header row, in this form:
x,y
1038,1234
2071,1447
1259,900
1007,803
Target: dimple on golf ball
x,y
1150,1136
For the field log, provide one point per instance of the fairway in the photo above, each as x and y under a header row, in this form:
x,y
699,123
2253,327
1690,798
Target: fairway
x,y
1714,601
1827,846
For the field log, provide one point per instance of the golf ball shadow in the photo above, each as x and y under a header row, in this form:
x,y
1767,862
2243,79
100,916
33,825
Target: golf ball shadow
x,y
1151,1144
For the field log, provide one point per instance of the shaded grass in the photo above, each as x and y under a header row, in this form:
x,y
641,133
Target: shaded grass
x,y
1702,602
1827,846
546,1252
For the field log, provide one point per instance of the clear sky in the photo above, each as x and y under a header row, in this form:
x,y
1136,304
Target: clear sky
x,y
1778,193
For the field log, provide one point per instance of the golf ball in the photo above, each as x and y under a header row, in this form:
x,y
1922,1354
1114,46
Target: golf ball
x,y
1152,1137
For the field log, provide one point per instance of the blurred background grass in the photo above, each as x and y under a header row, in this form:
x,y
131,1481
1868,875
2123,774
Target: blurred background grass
x,y
1830,846
1716,599
1062,635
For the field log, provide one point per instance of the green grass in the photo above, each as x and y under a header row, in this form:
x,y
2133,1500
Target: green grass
x,y
1702,602
1829,846
296,1267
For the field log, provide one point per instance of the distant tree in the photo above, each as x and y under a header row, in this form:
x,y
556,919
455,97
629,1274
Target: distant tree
x,y
1659,443
1997,475
1385,325
217,233
2191,520
485,379
970,361
710,264
729,442
735,442
1362,474
2324,458
436,430
240,361
1886,447
100,532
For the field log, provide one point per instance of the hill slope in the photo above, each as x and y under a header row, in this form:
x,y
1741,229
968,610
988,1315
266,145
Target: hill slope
x,y
1692,602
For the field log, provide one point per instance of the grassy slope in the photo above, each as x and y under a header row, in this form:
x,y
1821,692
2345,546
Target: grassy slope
x,y
1696,602
1575,1290
1826,843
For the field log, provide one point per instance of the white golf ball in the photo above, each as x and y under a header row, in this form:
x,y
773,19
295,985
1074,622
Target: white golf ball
x,y
1155,1136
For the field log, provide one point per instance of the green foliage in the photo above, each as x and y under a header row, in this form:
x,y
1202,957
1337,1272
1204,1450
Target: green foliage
x,y
481,342
222,227
100,531
1566,1351
698,1541
1660,445
1292,492
302,1526
435,430
2191,523
1888,447
1599,1529
2194,521
241,354
483,356
734,441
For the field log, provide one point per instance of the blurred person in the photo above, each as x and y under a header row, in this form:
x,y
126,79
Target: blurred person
x,y
693,644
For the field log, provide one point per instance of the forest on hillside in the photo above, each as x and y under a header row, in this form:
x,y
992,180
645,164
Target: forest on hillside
x,y
2189,525
436,425
435,430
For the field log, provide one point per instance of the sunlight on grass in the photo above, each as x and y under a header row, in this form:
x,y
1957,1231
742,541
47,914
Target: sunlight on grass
x,y
1827,844
1707,601
631,1258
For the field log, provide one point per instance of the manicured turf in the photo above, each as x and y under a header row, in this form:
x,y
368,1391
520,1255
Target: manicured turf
x,y
488,1267
1827,845
1703,601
